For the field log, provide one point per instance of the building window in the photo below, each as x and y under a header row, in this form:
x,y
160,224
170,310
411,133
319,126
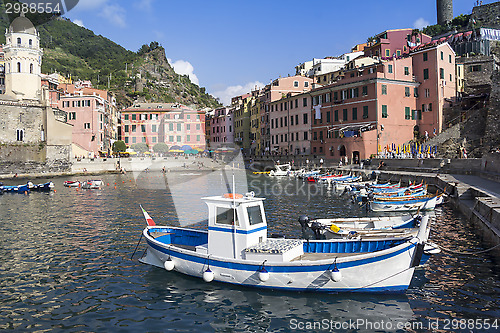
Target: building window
x,y
384,111
426,73
407,112
126,139
143,128
171,138
134,128
365,112
306,84
384,89
344,114
19,67
134,140
134,116
407,91
427,92
154,139
449,58
354,113
425,56
415,92
328,116
335,95
296,120
305,118
179,127
430,106
296,103
336,115
407,71
72,116
188,138
126,117
389,68
441,73
86,125
387,52
31,68
179,138
153,128
126,128
304,101
475,68
419,114
20,135
188,126
296,84
442,55
144,139
364,91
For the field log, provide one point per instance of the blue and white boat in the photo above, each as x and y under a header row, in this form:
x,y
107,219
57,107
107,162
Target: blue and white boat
x,y
44,187
24,188
406,203
236,250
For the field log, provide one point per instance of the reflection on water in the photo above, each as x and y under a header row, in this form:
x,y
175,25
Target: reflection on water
x,y
65,265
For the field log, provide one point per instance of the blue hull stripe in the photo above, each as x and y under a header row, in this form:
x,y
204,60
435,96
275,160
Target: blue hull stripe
x,y
276,269
238,231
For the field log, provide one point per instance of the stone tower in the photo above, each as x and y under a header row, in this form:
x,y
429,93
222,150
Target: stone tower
x,y
23,60
444,11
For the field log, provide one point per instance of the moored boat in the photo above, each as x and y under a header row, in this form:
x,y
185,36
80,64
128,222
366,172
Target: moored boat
x,y
71,183
281,170
43,187
24,188
397,204
92,184
236,250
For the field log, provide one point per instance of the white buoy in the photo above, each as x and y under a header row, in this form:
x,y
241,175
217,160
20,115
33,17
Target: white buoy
x,y
169,264
335,275
264,275
208,275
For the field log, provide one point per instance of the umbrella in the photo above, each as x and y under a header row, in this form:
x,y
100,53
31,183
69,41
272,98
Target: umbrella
x,y
194,151
175,151
175,147
186,147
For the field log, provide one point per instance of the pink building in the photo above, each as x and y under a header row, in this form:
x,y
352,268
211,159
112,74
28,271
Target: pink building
x,y
169,123
434,68
221,130
90,115
278,89
396,42
368,108
290,119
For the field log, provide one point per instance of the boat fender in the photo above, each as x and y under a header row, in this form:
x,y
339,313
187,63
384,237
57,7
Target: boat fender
x,y
169,264
334,228
263,274
335,275
208,275
431,248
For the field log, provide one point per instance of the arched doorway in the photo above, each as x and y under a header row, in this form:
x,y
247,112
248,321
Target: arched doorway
x,y
355,157
342,150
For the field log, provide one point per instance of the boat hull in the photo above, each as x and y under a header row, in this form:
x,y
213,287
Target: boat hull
x,y
388,270
400,206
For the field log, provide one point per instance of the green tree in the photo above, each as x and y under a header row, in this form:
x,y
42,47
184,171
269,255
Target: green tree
x,y
160,147
140,147
119,146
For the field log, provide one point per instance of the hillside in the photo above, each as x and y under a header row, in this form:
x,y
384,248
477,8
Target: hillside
x,y
145,75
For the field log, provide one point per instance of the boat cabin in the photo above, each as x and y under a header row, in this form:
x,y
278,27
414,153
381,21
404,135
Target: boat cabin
x,y
237,228
235,222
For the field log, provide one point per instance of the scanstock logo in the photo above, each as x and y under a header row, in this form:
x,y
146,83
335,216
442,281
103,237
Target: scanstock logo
x,y
38,11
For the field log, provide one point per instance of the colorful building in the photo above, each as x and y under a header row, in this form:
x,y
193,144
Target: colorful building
x,y
290,119
220,128
169,123
240,106
395,43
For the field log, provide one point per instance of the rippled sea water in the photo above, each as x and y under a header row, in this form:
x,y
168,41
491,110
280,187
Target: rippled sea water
x,y
65,265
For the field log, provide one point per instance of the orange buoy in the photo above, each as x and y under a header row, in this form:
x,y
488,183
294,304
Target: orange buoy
x,y
233,196
55,191
107,184
115,187
115,183
123,181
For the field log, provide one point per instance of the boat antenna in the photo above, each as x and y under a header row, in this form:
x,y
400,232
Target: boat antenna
x,y
234,216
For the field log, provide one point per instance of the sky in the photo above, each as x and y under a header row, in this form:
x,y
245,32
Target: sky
x,y
231,46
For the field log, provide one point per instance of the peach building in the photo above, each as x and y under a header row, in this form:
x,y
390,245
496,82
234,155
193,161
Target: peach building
x,y
221,128
291,125
395,42
170,123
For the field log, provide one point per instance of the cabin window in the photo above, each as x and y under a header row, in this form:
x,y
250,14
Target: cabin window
x,y
226,216
254,215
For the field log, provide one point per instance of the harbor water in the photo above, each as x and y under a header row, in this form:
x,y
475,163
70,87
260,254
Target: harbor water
x,y
66,265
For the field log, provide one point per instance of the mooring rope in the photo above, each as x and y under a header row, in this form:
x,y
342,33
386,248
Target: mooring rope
x,y
467,253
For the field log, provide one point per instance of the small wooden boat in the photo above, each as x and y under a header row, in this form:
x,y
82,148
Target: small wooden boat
x,y
362,227
24,188
397,204
281,170
92,184
236,250
44,187
72,183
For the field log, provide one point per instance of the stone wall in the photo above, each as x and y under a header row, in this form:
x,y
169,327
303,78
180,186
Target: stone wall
x,y
487,15
34,158
477,82
14,116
